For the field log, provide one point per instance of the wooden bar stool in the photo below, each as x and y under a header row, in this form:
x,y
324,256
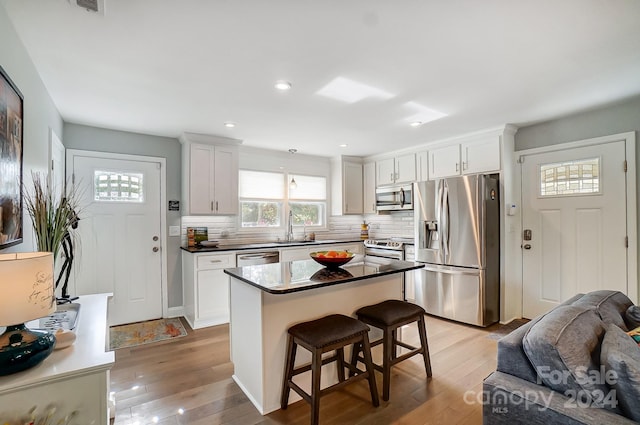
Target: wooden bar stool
x,y
389,316
329,333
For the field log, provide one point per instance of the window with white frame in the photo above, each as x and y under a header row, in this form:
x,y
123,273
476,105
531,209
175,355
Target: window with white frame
x,y
579,177
122,187
308,200
266,199
261,194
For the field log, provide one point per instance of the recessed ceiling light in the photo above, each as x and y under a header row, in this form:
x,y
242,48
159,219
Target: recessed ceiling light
x,y
229,124
344,145
282,85
416,124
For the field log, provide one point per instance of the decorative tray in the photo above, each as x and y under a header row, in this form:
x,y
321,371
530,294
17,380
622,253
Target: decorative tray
x,y
65,318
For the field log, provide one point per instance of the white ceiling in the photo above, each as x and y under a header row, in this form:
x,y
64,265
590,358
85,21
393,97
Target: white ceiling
x,y
163,67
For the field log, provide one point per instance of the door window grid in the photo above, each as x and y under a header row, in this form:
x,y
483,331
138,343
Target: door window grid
x,y
123,187
570,178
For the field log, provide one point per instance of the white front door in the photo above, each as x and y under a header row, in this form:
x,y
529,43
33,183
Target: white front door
x,y
573,242
120,235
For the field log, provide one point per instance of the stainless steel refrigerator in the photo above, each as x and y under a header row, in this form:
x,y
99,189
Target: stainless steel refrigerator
x,y
457,236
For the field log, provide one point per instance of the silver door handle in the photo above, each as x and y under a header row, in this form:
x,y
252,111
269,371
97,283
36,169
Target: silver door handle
x,y
453,271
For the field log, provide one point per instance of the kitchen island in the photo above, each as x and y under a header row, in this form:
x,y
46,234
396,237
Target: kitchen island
x,y
267,299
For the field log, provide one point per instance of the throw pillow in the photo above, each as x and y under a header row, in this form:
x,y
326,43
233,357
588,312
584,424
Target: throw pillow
x,y
633,316
610,305
620,354
562,347
635,334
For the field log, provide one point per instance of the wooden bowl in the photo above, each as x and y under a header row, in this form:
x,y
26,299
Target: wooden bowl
x,y
339,259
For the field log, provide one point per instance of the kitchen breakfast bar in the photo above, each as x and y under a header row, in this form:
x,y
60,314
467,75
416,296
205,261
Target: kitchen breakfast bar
x,y
267,299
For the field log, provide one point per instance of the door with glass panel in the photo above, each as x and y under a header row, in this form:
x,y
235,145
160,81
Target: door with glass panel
x,y
120,234
574,218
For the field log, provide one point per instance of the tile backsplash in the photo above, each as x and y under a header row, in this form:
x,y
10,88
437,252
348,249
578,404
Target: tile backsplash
x,y
381,226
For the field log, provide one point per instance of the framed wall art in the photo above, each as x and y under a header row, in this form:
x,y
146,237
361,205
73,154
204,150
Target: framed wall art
x,y
11,129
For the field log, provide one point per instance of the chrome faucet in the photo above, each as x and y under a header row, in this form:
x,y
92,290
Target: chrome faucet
x,y
290,227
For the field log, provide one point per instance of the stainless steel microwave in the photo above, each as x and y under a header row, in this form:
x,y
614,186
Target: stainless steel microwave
x,y
394,198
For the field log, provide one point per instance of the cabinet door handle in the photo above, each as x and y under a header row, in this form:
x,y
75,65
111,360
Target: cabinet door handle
x,y
215,261
457,167
391,177
216,205
464,165
211,205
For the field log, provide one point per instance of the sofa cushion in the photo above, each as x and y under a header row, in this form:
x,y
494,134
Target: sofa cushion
x,y
621,354
511,356
564,348
632,316
610,305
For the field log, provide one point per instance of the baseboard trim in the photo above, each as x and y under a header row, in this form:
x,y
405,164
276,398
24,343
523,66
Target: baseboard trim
x,y
175,312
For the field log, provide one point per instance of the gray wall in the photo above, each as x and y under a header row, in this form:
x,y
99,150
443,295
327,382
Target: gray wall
x,y
103,140
40,113
618,118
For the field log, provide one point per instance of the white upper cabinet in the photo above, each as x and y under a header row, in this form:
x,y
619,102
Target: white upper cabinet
x,y
401,169
346,186
210,175
481,155
444,161
369,187
475,155
422,166
385,171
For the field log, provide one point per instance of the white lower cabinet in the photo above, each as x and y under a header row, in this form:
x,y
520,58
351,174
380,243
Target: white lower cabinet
x,y
206,288
294,254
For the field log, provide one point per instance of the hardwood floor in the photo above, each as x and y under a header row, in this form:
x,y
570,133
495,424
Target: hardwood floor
x,y
188,381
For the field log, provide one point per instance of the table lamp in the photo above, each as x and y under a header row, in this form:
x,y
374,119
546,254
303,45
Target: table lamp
x,y
26,285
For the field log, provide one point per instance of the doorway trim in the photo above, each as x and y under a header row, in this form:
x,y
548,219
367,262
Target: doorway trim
x,y
632,228
72,153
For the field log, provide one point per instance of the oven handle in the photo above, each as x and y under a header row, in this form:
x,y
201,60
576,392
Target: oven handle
x,y
382,255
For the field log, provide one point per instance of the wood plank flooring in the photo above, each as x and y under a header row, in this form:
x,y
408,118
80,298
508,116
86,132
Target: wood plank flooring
x,y
188,381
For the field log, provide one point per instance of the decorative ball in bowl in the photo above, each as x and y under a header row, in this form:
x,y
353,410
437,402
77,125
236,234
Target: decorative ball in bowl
x,y
332,258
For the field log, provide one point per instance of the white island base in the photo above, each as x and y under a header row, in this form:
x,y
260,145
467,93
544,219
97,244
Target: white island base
x,y
259,323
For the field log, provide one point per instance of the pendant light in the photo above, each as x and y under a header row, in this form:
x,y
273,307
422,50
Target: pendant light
x,y
293,185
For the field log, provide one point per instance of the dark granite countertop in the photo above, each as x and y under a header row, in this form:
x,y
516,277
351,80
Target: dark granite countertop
x,y
266,245
294,276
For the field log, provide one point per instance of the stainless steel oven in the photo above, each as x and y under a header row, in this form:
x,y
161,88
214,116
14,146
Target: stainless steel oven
x,y
384,248
396,249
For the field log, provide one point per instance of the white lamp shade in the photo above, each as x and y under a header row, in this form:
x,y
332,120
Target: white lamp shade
x,y
27,287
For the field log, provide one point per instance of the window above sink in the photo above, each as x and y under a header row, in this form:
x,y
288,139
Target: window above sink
x,y
266,199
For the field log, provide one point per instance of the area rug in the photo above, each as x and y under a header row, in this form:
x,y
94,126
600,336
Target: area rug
x,y
503,330
145,332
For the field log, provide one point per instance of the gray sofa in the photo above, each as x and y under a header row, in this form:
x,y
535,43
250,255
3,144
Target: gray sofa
x,y
564,367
